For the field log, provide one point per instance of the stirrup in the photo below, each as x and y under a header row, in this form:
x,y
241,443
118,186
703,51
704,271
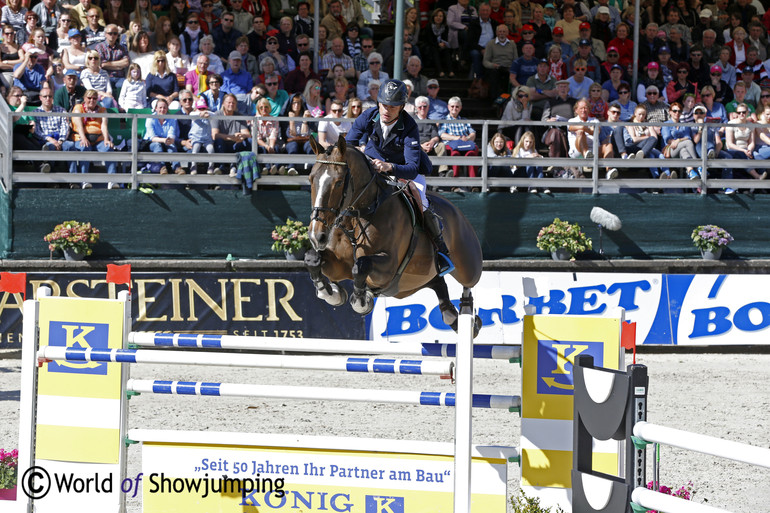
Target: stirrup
x,y
444,264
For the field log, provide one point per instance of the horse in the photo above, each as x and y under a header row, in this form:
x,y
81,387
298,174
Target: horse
x,y
362,229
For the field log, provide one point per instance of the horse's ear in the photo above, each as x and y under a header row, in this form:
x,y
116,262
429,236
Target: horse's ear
x,y
342,145
314,144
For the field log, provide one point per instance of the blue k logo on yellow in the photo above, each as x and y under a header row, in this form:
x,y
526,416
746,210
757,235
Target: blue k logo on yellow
x,y
555,359
82,336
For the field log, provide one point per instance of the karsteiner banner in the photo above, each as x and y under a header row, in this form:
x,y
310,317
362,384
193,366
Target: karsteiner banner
x,y
243,303
673,309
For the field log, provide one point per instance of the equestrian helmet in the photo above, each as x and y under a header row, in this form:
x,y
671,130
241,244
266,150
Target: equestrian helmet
x,y
392,92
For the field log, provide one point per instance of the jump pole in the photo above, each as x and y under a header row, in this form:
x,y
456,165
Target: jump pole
x,y
314,345
268,361
464,406
704,444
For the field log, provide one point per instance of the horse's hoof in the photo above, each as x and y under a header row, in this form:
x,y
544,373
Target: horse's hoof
x,y
362,303
333,294
476,326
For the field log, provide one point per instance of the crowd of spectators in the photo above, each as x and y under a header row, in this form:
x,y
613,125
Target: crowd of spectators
x,y
560,60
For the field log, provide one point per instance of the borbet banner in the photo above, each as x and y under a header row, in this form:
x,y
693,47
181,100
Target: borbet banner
x,y
686,309
278,304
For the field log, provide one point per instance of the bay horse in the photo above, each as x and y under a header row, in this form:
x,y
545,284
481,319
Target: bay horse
x,y
362,229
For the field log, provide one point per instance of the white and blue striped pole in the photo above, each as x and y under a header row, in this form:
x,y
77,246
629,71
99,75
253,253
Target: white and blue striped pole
x,y
270,361
314,345
215,389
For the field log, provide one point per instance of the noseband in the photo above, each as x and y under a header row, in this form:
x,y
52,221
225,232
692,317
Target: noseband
x,y
336,211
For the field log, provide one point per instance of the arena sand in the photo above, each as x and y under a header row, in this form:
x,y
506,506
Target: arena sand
x,y
726,396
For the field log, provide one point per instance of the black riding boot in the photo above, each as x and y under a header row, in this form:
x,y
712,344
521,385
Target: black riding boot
x,y
433,227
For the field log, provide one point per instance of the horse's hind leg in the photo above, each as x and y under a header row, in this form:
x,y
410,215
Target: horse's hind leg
x,y
448,310
330,292
466,305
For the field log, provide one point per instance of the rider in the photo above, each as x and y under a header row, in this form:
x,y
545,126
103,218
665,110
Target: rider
x,y
393,145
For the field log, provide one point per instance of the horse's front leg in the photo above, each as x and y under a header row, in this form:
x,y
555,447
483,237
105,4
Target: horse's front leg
x,y
362,300
329,291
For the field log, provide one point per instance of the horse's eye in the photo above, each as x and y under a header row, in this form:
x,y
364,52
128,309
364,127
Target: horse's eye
x,y
338,184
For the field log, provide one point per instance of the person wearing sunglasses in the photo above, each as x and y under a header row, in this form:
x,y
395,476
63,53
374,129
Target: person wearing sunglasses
x,y
585,53
392,142
30,76
681,85
374,72
656,109
740,142
678,139
723,93
10,55
652,77
713,146
114,56
579,83
277,96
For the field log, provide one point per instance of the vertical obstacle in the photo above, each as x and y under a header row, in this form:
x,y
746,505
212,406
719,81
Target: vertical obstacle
x,y
463,406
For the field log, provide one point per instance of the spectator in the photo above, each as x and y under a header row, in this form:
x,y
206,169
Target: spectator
x,y
591,63
676,89
438,108
191,36
498,148
237,81
207,18
195,79
713,108
738,46
93,77
248,60
602,27
162,133
762,136
430,142
133,94
579,83
13,13
459,137
178,63
266,67
79,14
355,108
230,135
115,15
374,73
338,57
405,56
498,11
144,15
259,8
523,67
460,17
25,32
723,93
74,55
178,14
558,40
91,134
758,39
653,78
569,24
752,89
225,35
523,10
297,133
708,45
351,12
330,131
207,48
672,21
740,97
499,54
361,61
52,131
352,41
610,87
597,106
283,63
597,48
541,86
113,56
542,28
93,32
487,34
48,11
213,95
37,44
243,18
699,70
412,25
713,146
30,76
72,93
645,138
413,74
311,95
257,36
649,44
656,108
278,97
296,80
141,52
334,22
677,47
559,108
581,137
195,135
518,109
729,72
268,133
303,22
740,142
24,137
611,141
409,105
678,139
341,92
623,44
161,83
528,36
371,100
60,35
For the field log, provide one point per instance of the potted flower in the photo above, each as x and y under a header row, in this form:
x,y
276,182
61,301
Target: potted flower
x,y
291,238
563,239
73,238
710,239
9,462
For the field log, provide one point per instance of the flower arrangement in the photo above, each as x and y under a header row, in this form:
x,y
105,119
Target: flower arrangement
x,y
686,492
291,237
563,235
710,237
9,461
73,235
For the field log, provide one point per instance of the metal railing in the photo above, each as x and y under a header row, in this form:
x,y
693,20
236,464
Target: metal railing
x,y
594,184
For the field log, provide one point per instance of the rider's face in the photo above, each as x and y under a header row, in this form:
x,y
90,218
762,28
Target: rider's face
x,y
389,113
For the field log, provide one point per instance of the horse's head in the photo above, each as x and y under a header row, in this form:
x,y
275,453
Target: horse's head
x,y
329,181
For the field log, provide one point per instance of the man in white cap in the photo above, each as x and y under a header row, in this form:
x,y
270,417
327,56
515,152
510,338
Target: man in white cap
x,y
438,108
611,10
238,81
